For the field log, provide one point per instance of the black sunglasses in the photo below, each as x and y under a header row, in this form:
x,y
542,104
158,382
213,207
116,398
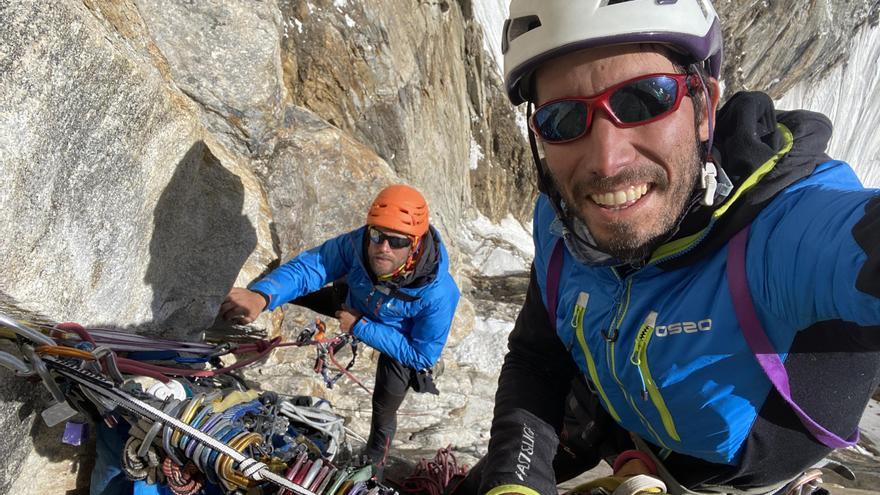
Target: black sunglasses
x,y
378,237
631,103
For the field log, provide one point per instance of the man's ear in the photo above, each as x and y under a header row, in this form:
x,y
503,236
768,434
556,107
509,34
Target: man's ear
x,y
711,106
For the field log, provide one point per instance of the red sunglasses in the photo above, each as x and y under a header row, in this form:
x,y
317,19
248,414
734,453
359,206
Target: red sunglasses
x,y
631,103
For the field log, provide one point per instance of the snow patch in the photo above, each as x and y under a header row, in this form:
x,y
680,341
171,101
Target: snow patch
x,y
491,14
849,95
475,154
484,348
498,249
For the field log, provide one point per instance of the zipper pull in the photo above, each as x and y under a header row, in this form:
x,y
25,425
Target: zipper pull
x,y
641,343
580,307
640,348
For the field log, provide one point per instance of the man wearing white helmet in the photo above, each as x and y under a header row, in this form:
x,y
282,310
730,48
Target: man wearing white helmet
x,y
711,286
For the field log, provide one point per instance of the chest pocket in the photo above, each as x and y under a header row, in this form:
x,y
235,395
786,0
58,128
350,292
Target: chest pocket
x,y
381,305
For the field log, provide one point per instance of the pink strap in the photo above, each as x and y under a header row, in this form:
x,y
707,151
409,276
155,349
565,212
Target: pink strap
x,y
628,455
761,346
554,269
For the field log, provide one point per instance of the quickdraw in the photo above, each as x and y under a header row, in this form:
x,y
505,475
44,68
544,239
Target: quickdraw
x,y
326,350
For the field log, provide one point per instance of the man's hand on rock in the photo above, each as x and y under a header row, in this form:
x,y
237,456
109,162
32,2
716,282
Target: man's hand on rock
x,y
242,306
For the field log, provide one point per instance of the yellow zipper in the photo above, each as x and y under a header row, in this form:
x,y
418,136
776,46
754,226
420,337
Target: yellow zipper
x,y
639,358
577,321
611,339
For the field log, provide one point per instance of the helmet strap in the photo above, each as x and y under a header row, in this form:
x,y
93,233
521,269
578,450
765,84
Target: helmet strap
x,y
708,173
547,186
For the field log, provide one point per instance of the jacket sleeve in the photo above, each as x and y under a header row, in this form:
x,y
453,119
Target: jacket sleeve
x,y
821,260
308,271
421,348
529,405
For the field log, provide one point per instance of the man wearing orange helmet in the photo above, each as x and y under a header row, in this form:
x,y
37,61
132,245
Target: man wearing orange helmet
x,y
391,289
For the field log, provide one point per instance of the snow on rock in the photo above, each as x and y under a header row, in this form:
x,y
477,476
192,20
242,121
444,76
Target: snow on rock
x,y
484,348
498,249
849,96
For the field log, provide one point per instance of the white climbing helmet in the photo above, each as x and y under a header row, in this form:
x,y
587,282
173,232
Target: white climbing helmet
x,y
539,30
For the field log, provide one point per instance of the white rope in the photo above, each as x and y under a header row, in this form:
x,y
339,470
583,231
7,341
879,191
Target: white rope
x,y
640,484
321,420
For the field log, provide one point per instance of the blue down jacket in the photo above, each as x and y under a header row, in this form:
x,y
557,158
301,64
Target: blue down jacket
x,y
409,324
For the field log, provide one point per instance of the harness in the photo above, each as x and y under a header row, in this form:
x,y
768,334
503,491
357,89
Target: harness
x,y
757,340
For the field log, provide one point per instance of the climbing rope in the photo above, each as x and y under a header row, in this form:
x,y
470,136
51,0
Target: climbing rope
x,y
434,476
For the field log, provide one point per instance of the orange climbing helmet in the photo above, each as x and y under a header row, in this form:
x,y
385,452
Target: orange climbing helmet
x,y
400,208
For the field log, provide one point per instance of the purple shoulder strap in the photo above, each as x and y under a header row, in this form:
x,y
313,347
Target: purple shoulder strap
x,y
760,344
554,269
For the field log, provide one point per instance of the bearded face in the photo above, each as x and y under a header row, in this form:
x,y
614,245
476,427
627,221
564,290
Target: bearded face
x,y
629,186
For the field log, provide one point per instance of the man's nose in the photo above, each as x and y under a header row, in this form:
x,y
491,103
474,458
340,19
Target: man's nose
x,y
608,147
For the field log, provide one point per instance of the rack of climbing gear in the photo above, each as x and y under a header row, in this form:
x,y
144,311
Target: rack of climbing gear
x,y
203,427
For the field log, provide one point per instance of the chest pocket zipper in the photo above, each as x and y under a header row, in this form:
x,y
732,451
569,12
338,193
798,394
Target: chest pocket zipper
x,y
577,322
639,358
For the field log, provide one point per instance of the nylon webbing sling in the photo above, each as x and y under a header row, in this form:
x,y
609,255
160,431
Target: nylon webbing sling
x,y
554,270
761,346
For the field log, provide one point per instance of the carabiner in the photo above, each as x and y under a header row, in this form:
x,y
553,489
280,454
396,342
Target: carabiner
x,y
28,333
17,365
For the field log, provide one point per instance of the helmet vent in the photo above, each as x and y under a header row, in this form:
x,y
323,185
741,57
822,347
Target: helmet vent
x,y
614,2
702,4
514,28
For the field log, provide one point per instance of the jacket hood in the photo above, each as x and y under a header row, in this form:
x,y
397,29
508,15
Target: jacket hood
x,y
762,151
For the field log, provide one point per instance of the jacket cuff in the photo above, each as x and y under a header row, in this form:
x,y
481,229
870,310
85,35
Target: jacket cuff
x,y
266,298
358,326
523,490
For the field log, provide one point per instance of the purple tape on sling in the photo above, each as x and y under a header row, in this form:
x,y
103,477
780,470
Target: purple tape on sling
x,y
75,433
760,345
553,272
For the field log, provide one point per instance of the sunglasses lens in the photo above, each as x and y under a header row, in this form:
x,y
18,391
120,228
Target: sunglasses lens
x,y
644,99
398,242
377,237
561,121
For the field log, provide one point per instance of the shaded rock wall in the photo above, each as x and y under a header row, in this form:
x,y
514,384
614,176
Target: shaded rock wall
x,y
849,95
771,45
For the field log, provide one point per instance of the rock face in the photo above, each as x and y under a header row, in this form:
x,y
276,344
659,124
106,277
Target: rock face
x,y
769,46
154,154
848,95
390,73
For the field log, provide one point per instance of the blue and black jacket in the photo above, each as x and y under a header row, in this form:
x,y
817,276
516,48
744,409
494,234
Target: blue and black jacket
x,y
692,387
409,323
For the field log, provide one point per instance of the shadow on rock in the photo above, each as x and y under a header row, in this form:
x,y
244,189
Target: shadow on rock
x,y
200,242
